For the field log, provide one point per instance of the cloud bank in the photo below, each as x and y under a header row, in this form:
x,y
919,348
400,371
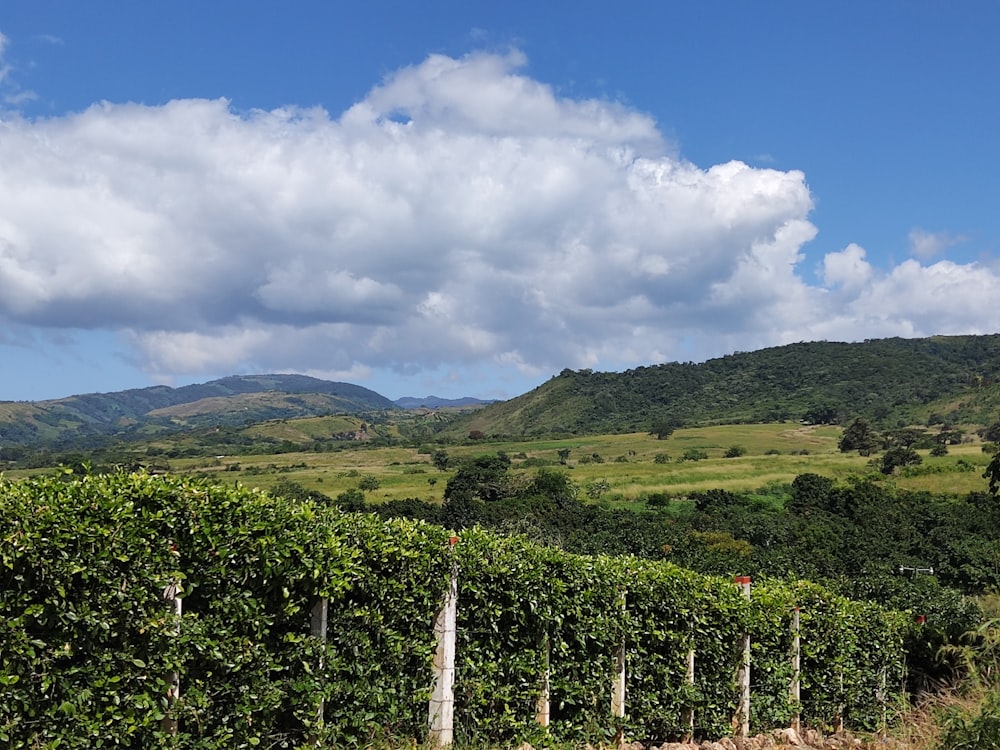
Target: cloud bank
x,y
461,215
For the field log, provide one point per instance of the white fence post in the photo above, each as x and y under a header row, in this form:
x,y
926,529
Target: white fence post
x,y
543,705
687,717
317,628
173,679
618,687
441,709
743,712
795,689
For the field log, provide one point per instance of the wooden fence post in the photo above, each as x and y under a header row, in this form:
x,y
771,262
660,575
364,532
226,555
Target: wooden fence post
x,y
743,676
441,709
795,689
618,687
838,720
543,705
173,679
317,628
883,698
687,716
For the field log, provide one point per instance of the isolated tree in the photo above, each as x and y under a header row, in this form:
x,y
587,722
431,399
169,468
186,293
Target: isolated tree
x,y
735,451
441,460
907,436
859,436
484,477
663,427
899,456
949,436
369,483
991,434
563,454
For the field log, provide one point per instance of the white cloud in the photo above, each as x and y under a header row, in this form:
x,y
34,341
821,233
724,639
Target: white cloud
x,y
847,268
926,245
10,92
4,67
462,215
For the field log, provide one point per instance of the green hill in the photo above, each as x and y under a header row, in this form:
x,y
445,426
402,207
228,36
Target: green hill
x,y
892,382
145,412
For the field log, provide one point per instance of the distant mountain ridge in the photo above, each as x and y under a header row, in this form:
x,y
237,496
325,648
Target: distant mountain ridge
x,y
233,400
433,402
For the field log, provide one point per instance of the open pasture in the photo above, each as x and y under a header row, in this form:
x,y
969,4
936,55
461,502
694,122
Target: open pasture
x,y
633,465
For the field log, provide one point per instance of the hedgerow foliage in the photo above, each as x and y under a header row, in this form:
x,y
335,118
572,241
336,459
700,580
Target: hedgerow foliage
x,y
87,643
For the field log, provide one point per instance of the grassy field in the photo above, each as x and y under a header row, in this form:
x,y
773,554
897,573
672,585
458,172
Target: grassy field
x,y
629,464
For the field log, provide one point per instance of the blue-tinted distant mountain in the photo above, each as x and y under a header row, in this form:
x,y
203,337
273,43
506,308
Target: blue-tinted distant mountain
x,y
433,402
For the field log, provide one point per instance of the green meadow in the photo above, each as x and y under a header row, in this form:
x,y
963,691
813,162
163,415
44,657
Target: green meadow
x,y
627,467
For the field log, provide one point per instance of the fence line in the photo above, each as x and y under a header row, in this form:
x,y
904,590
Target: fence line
x,y
569,665
441,713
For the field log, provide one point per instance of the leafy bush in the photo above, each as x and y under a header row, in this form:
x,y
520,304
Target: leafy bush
x,y
694,454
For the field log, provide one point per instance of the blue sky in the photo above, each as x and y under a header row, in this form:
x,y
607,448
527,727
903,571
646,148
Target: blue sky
x,y
448,199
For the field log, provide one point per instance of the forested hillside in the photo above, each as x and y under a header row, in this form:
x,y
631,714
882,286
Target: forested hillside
x,y
891,382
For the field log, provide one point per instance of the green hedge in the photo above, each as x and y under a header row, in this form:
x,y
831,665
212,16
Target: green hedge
x,y
87,641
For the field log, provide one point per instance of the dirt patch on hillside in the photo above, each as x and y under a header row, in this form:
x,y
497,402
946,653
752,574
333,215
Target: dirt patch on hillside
x,y
805,433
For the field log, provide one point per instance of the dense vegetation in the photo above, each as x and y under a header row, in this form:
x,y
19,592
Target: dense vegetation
x,y
910,550
892,382
90,647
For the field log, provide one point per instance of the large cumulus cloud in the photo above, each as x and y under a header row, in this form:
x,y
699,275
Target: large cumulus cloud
x,y
462,213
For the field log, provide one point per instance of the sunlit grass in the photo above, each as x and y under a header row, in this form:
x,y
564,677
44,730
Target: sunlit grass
x,y
774,454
